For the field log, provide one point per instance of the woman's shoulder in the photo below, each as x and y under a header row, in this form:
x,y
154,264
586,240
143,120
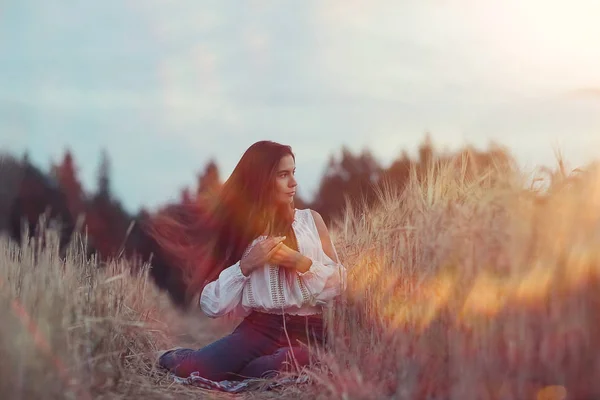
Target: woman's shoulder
x,y
307,213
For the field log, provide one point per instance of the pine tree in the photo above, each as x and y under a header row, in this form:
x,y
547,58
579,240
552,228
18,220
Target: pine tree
x,y
352,177
108,222
398,173
104,176
66,175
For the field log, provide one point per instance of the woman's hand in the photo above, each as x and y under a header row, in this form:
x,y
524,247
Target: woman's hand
x,y
289,258
260,254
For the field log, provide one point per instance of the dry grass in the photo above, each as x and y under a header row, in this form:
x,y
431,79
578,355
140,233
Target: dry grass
x,y
459,288
73,330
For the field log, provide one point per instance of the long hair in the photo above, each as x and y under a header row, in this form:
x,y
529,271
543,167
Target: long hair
x,y
203,238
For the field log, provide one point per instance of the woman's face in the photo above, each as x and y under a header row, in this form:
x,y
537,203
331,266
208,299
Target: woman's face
x,y
285,182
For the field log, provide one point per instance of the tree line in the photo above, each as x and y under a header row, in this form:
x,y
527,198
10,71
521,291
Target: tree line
x,y
347,176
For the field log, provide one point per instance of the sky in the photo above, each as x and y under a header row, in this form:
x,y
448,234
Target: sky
x,y
166,86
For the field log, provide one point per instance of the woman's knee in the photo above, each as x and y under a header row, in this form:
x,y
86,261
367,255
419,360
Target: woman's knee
x,y
283,359
216,361
293,356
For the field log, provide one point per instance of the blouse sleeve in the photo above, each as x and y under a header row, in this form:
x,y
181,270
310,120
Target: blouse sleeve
x,y
224,295
325,279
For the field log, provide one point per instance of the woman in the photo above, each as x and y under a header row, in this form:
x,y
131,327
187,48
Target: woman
x,y
270,263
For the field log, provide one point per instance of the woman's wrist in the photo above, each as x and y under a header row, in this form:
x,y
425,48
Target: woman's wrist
x,y
245,268
303,263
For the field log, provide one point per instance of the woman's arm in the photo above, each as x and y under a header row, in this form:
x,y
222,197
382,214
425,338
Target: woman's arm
x,y
290,258
326,241
325,278
223,295
322,274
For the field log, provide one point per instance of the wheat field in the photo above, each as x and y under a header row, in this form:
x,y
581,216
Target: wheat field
x,y
463,285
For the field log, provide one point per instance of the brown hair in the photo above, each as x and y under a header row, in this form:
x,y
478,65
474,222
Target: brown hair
x,y
203,238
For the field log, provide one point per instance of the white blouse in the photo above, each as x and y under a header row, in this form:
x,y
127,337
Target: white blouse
x,y
275,289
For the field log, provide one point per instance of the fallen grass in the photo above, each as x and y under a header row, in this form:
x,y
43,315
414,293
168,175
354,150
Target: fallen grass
x,y
461,286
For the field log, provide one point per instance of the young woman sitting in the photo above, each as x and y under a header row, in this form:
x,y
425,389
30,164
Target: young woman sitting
x,y
270,263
